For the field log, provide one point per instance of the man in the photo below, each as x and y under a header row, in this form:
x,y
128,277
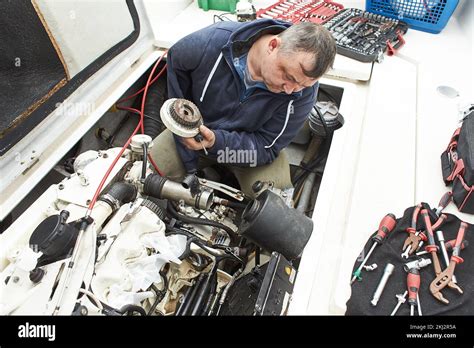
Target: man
x,y
255,84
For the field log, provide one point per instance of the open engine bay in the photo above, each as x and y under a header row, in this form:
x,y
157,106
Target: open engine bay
x,y
149,245
116,237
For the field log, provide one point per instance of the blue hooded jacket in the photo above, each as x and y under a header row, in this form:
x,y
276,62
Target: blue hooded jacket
x,y
201,69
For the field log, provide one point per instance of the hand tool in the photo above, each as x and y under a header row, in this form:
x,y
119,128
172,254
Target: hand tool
x,y
401,300
386,226
440,236
199,138
387,272
432,248
443,202
448,245
413,284
418,264
414,237
451,243
371,267
418,304
445,278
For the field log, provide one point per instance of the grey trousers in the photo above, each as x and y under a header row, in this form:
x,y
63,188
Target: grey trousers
x,y
166,156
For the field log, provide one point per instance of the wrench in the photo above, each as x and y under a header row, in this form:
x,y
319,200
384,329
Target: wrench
x,y
445,278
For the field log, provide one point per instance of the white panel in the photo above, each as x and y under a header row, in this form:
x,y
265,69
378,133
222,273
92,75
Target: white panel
x,y
84,29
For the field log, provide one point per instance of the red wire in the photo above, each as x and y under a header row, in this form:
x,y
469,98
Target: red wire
x,y
141,90
139,126
109,170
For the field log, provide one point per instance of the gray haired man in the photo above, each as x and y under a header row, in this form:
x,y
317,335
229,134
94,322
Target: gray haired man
x,y
254,83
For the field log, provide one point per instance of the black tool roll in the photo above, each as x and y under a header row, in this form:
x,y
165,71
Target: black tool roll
x,y
390,252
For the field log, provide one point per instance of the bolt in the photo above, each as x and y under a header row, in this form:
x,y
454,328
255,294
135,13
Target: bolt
x,y
61,186
15,279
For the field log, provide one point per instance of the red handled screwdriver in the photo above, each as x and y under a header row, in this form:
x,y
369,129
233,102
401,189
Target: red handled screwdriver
x,y
413,284
386,226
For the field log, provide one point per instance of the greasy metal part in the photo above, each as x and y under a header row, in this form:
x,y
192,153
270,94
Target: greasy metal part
x,y
182,117
383,281
445,278
228,190
176,192
185,113
401,300
157,186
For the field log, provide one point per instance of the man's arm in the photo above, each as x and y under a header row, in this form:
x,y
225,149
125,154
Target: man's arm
x,y
259,141
182,59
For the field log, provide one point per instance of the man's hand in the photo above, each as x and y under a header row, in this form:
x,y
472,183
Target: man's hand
x,y
209,140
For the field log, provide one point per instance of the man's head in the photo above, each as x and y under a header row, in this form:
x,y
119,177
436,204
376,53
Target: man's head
x,y
297,57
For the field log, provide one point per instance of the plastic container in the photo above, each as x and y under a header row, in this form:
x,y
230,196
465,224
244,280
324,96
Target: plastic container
x,y
221,5
425,15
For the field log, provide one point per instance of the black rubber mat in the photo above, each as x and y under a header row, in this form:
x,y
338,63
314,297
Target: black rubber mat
x,y
30,66
30,92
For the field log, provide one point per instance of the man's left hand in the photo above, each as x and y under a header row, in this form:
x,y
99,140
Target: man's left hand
x,y
209,140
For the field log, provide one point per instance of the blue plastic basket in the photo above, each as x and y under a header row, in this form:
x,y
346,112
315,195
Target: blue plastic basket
x,y
425,15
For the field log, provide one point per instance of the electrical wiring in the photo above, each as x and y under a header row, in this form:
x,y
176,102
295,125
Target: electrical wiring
x,y
142,89
139,127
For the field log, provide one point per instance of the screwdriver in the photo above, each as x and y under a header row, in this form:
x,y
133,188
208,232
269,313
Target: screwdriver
x,y
443,203
386,226
413,284
199,138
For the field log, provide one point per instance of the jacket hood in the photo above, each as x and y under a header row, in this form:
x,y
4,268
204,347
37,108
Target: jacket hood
x,y
239,39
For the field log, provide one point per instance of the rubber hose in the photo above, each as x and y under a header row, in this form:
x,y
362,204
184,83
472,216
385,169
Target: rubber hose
x,y
155,99
171,209
122,192
132,308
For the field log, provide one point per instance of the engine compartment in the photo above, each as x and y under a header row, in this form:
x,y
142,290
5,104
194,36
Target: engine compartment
x,y
154,246
175,253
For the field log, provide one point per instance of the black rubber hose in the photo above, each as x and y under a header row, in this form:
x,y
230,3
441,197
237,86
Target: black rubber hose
x,y
185,298
191,220
155,99
144,163
130,308
202,295
122,192
190,300
160,294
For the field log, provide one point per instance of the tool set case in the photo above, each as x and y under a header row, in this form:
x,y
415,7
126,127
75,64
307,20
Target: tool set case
x,y
458,164
296,11
365,36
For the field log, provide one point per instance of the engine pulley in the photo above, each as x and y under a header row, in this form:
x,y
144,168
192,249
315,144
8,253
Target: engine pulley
x,y
181,116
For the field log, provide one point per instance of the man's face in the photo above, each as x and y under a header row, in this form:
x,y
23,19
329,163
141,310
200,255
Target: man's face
x,y
283,72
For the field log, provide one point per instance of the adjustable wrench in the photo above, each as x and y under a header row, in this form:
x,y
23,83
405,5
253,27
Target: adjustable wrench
x,y
445,278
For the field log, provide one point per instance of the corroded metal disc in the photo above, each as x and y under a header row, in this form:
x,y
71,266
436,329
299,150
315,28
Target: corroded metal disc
x,y
185,113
